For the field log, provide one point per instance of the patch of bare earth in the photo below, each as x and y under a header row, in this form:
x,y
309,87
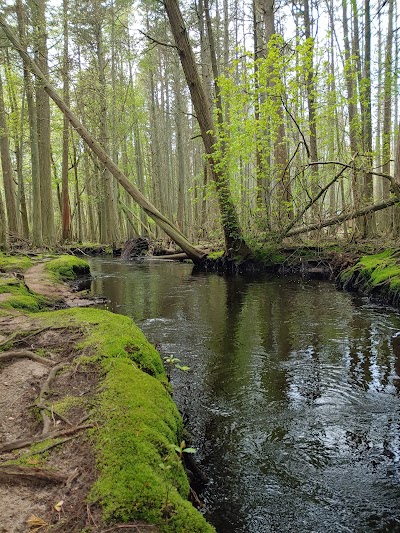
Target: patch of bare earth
x,y
46,491
38,280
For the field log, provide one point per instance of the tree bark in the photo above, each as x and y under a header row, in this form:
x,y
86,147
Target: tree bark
x,y
8,178
234,241
66,212
43,124
32,115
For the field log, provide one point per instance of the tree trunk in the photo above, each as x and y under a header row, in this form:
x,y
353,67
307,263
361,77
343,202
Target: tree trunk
x,y
43,124
311,104
6,165
66,212
366,112
234,241
32,115
387,112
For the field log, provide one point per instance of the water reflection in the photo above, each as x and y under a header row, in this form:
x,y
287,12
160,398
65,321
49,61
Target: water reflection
x,y
292,399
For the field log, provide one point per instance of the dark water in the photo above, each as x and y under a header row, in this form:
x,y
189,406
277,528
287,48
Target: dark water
x,y
293,398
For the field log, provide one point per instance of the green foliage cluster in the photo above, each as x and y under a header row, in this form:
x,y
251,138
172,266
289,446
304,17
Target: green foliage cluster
x,y
67,267
215,255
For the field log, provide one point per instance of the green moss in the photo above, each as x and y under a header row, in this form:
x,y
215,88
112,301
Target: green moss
x,y
69,402
24,303
67,267
11,263
372,273
111,336
141,476
20,297
36,455
215,255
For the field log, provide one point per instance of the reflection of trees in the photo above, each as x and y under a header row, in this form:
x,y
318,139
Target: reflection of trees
x,y
275,339
229,349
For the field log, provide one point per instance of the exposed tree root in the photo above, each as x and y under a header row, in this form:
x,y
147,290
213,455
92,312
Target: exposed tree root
x,y
43,391
23,443
24,354
53,412
20,473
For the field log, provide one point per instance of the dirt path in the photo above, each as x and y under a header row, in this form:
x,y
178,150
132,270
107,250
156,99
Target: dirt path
x,y
37,280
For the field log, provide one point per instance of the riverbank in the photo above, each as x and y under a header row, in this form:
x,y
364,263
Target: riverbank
x,y
89,432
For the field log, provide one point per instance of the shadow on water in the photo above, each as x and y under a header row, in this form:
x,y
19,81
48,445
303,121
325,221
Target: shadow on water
x,y
292,399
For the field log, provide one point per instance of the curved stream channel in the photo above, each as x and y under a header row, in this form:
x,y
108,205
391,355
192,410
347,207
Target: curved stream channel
x,y
293,397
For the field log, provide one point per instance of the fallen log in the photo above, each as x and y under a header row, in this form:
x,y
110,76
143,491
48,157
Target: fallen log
x,y
20,473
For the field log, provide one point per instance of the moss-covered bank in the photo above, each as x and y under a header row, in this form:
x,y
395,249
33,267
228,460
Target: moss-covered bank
x,y
136,424
140,475
375,275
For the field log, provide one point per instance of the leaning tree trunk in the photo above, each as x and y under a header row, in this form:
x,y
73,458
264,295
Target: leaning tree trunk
x,y
192,252
235,243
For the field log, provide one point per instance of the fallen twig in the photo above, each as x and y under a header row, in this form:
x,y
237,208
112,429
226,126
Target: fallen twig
x,y
23,443
15,472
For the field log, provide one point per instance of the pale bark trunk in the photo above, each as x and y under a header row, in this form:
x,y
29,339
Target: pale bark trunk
x,y
8,177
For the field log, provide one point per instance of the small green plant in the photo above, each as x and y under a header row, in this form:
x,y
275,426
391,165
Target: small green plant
x,y
173,362
181,449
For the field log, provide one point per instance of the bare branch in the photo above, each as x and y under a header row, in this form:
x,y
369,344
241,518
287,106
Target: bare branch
x,y
342,218
312,201
297,126
153,40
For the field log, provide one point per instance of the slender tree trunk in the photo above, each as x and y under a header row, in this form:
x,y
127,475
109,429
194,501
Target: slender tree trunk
x,y
387,112
43,124
66,213
311,99
366,100
109,227
19,154
180,216
8,174
36,210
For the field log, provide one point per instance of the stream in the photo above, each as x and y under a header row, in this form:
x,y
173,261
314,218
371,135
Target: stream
x,y
293,397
